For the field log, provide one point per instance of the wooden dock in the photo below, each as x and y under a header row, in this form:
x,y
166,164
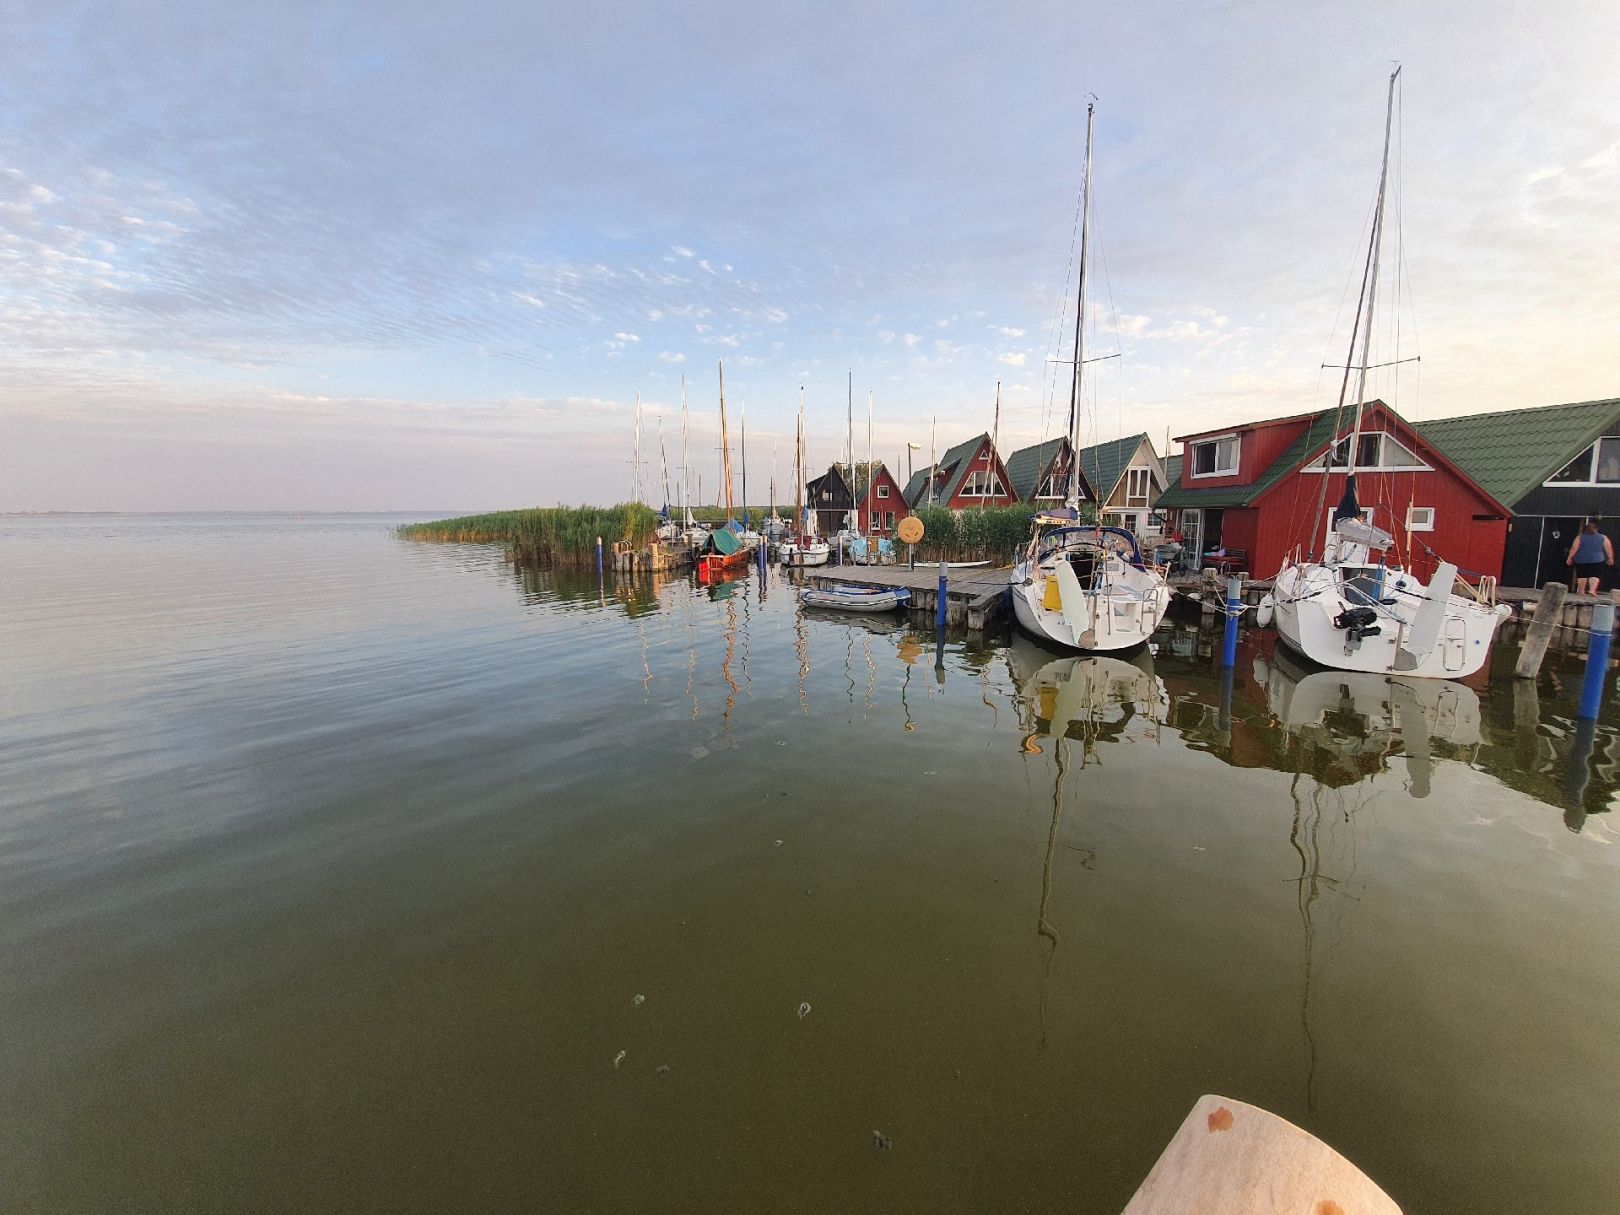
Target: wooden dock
x,y
975,597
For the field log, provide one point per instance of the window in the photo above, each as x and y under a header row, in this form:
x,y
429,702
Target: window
x,y
1215,458
1420,518
888,521
1376,451
874,526
826,495
1138,481
981,485
883,491
1599,464
1056,485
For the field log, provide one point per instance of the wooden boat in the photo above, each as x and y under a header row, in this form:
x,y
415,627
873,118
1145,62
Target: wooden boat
x,y
846,598
1232,1158
721,551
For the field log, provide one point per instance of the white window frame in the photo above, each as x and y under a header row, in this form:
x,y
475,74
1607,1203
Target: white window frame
x,y
1237,455
1591,454
1420,518
973,487
888,520
1320,464
1132,498
883,491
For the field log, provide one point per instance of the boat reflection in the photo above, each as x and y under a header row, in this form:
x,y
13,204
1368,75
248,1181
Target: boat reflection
x,y
1353,721
1091,699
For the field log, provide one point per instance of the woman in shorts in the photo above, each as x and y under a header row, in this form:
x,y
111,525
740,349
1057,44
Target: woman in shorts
x,y
1589,554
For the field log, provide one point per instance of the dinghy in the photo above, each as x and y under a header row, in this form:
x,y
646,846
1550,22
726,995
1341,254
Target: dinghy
x,y
846,598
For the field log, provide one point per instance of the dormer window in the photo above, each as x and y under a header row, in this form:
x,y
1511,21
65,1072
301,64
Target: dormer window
x,y
883,491
981,485
1138,482
1215,457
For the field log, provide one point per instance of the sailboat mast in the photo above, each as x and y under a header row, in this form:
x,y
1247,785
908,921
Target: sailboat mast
x,y
1076,384
851,438
869,472
725,446
743,408
686,456
635,474
1372,283
663,459
798,468
995,427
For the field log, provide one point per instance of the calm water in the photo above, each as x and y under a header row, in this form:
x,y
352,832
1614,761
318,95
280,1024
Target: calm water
x,y
344,873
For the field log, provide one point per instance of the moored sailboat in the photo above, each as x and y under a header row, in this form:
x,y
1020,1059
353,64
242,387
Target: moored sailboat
x,y
1354,609
1079,585
803,547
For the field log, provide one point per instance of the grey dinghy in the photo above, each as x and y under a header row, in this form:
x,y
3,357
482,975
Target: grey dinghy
x,y
855,598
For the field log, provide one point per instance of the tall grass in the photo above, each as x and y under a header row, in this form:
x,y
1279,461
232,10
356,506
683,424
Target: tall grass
x,y
989,533
551,536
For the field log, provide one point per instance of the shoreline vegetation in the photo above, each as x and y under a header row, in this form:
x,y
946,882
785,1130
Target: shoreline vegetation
x,y
566,535
546,535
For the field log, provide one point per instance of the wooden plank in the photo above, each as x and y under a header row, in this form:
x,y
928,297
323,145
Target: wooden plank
x,y
1232,1158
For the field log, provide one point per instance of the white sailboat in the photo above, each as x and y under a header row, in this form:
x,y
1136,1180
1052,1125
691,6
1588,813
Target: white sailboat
x,y
1353,609
1079,585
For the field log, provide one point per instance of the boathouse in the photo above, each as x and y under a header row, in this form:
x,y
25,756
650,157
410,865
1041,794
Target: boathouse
x,y
1127,477
871,491
1260,490
1039,475
1555,466
969,474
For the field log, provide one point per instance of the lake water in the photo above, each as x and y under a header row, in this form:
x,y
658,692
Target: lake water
x,y
340,872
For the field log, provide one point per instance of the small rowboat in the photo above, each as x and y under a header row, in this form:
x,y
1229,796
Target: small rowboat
x,y
856,598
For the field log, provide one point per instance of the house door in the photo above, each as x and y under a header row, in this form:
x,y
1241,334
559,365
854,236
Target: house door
x,y
1212,532
1192,535
1557,534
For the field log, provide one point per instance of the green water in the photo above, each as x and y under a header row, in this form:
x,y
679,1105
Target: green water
x,y
332,868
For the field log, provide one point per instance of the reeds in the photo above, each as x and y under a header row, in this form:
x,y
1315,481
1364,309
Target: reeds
x,y
551,536
990,533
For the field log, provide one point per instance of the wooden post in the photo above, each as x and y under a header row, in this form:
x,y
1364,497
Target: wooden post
x,y
1549,609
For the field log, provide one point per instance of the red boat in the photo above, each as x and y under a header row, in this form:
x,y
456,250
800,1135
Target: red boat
x,y
721,552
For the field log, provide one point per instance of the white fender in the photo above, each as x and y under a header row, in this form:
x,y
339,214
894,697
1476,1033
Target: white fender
x,y
1264,613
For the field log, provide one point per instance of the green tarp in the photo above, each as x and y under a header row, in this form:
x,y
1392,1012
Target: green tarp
x,y
723,541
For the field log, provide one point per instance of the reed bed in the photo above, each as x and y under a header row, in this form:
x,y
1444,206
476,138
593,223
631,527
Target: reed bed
x,y
549,536
990,533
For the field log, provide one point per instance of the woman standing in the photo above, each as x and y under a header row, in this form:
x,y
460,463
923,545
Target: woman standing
x,y
1589,554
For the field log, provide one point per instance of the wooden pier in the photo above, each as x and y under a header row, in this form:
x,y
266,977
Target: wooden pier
x,y
975,597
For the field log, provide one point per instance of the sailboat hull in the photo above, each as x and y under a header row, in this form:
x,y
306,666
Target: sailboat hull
x,y
800,553
1312,602
1119,611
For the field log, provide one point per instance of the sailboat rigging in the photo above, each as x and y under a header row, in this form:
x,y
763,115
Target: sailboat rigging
x,y
1351,610
1085,586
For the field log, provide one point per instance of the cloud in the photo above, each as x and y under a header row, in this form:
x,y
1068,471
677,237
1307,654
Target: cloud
x,y
1007,331
911,339
1012,358
681,251
627,337
671,356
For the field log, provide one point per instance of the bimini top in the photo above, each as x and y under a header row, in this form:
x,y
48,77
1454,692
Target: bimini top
x,y
1123,542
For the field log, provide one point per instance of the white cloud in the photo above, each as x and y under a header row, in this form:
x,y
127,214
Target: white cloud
x,y
672,356
627,337
1008,331
681,251
523,297
885,336
774,315
912,339
1013,358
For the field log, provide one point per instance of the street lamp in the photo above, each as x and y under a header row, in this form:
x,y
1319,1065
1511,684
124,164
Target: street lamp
x,y
910,447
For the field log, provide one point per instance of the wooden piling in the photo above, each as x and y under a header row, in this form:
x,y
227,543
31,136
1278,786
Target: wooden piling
x,y
1549,608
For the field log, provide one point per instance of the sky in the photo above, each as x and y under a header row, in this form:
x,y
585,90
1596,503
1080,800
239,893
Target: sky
x,y
418,256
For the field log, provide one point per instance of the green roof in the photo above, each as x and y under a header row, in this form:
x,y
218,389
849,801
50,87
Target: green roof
x,y
1512,451
1104,463
953,464
1025,466
1172,470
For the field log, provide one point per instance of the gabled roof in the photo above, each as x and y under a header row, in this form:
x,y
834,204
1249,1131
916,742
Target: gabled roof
x,y
953,464
1104,463
1314,439
863,473
1025,466
1511,452
1172,470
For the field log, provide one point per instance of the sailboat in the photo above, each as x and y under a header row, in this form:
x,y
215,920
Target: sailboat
x,y
722,549
804,547
1077,585
1356,611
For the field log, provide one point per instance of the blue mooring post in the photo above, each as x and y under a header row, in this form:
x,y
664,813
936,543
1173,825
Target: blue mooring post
x,y
1234,606
599,558
1597,660
939,606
